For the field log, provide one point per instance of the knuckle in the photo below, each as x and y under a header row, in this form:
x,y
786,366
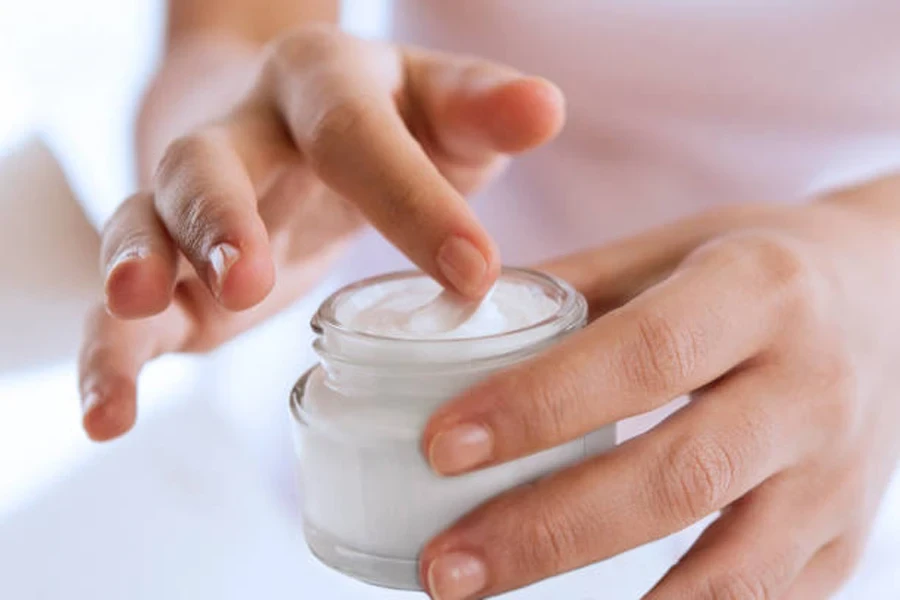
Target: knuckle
x,y
181,155
199,221
312,51
549,423
194,213
737,585
522,425
310,44
664,355
842,411
697,476
547,416
336,123
122,228
551,542
782,268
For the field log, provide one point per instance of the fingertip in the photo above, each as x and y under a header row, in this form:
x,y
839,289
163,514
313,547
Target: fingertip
x,y
494,268
523,113
430,552
241,279
468,267
480,289
139,285
440,420
110,414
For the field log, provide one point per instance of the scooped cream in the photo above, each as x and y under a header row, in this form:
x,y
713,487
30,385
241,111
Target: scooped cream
x,y
417,308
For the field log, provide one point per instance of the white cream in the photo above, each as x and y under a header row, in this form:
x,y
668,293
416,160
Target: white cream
x,y
393,349
417,308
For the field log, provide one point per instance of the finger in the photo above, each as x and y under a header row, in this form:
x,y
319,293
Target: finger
x,y
756,549
112,353
337,96
716,312
139,260
698,461
470,114
827,572
207,202
475,108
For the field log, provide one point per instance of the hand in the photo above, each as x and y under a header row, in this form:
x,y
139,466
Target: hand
x,y
782,325
337,131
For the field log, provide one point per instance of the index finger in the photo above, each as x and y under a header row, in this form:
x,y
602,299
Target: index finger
x,y
342,115
713,314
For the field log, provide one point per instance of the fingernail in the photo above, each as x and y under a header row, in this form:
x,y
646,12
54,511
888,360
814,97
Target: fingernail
x,y
90,401
462,264
456,576
221,258
461,448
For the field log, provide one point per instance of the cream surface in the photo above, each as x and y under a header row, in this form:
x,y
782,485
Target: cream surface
x,y
417,308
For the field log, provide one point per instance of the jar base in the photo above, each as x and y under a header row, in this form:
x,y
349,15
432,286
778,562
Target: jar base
x,y
383,571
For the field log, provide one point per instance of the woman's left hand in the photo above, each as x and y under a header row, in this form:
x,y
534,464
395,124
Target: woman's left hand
x,y
783,324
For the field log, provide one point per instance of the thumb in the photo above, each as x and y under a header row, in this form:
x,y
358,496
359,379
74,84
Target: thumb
x,y
472,110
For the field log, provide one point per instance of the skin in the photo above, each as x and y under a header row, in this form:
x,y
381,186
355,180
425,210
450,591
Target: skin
x,y
780,323
331,133
262,159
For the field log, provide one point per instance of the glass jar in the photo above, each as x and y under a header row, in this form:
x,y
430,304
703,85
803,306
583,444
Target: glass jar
x,y
369,499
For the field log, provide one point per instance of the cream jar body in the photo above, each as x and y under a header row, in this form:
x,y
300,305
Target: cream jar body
x,y
369,500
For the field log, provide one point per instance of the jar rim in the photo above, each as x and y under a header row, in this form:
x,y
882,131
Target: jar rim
x,y
572,306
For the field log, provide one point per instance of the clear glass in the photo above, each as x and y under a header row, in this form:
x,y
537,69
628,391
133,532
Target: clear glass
x,y
369,500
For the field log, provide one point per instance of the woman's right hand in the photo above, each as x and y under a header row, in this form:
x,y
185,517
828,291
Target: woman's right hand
x,y
247,213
